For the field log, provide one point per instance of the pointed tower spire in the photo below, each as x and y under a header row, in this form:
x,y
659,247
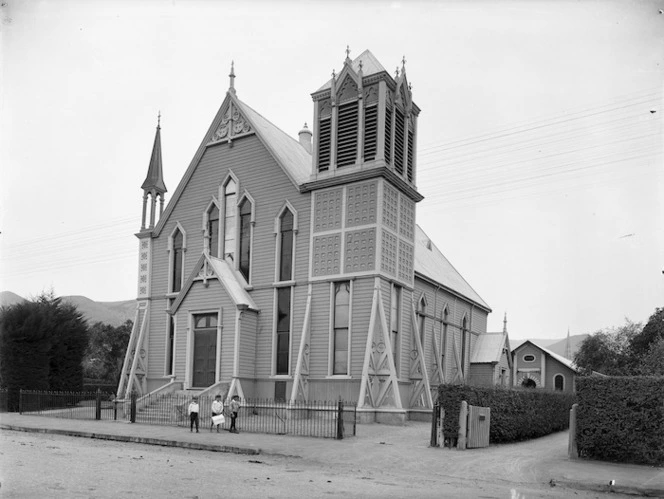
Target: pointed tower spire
x,y
568,346
231,76
153,185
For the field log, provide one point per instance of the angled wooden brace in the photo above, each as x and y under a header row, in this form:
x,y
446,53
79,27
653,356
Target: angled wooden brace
x,y
418,370
374,361
300,383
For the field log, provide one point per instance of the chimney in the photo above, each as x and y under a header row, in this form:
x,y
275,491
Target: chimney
x,y
305,138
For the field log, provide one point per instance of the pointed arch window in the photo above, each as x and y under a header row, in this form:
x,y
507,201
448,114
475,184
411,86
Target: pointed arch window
x,y
464,341
395,323
286,238
443,348
177,243
230,204
212,230
341,327
246,229
421,312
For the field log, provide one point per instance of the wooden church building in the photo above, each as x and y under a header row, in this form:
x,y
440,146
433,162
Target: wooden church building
x,y
294,269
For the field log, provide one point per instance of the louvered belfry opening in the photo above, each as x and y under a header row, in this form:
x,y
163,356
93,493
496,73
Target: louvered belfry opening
x,y
389,114
399,123
324,144
409,165
347,127
365,117
370,132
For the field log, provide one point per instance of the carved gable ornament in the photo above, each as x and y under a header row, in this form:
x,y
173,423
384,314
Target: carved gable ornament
x,y
232,124
348,90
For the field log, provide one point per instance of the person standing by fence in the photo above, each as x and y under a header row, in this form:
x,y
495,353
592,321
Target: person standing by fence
x,y
193,414
234,406
217,410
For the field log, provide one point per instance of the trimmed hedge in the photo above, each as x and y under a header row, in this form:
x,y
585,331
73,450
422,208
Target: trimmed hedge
x,y
621,419
515,414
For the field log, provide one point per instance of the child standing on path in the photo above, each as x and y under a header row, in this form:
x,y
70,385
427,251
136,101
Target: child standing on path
x,y
235,406
217,410
193,414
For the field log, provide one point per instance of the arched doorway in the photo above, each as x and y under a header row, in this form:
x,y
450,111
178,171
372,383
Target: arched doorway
x,y
529,383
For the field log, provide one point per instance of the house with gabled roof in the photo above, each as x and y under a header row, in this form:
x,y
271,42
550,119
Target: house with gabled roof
x,y
294,269
537,367
491,362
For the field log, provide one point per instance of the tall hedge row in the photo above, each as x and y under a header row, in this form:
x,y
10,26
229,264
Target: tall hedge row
x,y
515,414
621,419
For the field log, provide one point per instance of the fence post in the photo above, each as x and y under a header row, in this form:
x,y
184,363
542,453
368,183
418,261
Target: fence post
x,y
572,450
434,426
132,410
340,420
98,405
463,426
441,432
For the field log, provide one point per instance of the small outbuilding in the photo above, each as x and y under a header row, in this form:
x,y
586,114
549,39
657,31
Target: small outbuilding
x,y
537,367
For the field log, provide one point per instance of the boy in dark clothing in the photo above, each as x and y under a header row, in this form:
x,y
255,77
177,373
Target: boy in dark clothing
x,y
234,407
193,414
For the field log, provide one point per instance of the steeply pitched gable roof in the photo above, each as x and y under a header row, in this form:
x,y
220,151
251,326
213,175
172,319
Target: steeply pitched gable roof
x,y
288,152
370,65
209,267
489,347
294,160
432,264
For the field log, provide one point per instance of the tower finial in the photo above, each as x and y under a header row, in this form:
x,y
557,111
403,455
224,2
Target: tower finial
x,y
396,72
505,323
159,119
232,77
347,53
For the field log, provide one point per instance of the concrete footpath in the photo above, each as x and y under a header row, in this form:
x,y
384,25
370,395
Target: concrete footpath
x,y
541,461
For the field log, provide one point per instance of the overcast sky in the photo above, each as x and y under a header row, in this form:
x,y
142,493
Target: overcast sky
x,y
540,138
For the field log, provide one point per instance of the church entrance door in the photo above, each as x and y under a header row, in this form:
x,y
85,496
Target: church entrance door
x,y
205,350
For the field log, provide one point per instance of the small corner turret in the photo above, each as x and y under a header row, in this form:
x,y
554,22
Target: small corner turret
x,y
153,186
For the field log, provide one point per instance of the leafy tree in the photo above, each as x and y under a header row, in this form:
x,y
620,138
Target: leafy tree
x,y
609,351
652,363
42,342
650,335
106,350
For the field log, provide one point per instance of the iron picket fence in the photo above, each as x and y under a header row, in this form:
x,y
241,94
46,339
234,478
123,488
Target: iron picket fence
x,y
313,419
69,405
323,419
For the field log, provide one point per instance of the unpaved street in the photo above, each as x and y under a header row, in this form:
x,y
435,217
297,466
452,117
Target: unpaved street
x,y
53,466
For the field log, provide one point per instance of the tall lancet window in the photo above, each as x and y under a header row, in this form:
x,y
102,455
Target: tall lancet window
x,y
341,325
245,237
176,269
464,341
213,230
286,246
422,310
230,204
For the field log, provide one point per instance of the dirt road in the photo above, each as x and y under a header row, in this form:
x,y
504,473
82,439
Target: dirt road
x,y
41,465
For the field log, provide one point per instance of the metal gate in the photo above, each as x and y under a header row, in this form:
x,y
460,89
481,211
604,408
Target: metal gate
x,y
479,421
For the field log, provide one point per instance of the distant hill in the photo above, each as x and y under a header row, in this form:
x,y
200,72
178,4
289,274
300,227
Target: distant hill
x,y
556,346
110,312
